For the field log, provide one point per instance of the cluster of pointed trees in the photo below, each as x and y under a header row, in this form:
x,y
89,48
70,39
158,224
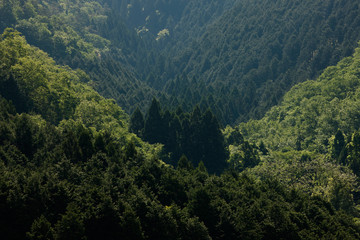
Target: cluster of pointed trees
x,y
197,135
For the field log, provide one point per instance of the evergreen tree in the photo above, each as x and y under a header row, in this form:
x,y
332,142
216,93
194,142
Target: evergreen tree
x,y
85,143
24,135
99,143
338,146
174,140
154,127
195,139
137,122
213,144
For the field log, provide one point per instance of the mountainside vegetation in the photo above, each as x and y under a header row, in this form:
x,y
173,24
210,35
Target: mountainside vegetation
x,y
88,36
198,119
312,111
236,57
313,135
247,60
79,174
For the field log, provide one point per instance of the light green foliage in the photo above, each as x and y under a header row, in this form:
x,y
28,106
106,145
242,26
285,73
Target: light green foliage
x,y
300,133
242,154
311,112
313,175
88,35
163,34
58,93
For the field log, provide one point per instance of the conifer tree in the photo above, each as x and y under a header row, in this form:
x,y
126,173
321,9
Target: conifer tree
x,y
137,122
153,131
214,151
338,146
24,135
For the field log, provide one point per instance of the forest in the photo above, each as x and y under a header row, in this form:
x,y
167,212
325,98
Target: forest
x,y
166,119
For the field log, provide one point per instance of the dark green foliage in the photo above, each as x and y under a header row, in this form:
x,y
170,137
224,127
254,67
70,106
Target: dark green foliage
x,y
250,158
69,168
82,39
71,225
196,135
263,149
24,136
137,122
41,229
250,56
242,154
312,112
154,129
184,163
353,153
235,57
338,148
131,197
212,145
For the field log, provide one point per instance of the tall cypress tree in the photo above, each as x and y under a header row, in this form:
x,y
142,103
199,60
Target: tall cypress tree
x,y
137,122
24,135
213,143
153,131
196,146
338,146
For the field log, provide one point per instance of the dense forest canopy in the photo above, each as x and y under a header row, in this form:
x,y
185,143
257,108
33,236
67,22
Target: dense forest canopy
x,y
237,57
71,170
113,115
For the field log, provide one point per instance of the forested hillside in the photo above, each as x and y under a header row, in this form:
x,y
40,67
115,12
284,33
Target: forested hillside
x,y
70,170
247,60
237,57
85,35
313,111
173,24
112,118
313,135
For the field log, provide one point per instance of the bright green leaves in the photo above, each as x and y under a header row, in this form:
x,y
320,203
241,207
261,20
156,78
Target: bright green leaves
x,y
54,92
313,111
242,154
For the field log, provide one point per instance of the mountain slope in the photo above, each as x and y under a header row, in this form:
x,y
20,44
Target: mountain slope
x,y
183,20
69,169
236,57
32,81
85,35
253,54
311,112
